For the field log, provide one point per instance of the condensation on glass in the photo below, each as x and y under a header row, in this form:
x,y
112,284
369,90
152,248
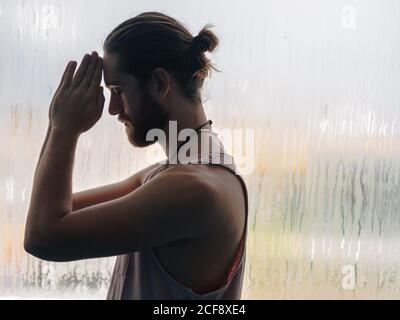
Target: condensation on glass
x,y
317,82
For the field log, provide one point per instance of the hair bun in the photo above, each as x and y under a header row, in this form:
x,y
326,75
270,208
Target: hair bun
x,y
205,40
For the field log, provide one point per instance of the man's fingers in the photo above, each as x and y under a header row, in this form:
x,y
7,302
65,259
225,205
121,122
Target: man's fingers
x,y
97,76
70,73
101,99
87,79
81,70
65,72
67,68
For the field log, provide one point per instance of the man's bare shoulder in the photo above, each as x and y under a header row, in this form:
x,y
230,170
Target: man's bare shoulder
x,y
212,184
213,192
206,175
189,177
213,175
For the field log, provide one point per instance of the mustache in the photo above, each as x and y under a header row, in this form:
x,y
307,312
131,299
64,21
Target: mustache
x,y
122,119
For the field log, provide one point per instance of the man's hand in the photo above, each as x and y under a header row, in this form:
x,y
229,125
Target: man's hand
x,y
79,100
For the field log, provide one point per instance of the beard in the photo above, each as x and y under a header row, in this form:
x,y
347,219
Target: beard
x,y
150,115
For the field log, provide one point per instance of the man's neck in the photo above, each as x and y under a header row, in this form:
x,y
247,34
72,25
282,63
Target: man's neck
x,y
192,118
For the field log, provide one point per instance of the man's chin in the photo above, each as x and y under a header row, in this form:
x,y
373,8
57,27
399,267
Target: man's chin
x,y
141,143
138,141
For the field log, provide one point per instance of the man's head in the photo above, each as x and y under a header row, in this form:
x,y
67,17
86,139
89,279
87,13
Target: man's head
x,y
146,60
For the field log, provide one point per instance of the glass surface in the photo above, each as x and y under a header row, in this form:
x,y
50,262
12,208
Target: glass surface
x,y
317,81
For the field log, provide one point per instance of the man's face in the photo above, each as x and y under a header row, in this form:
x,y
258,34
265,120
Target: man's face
x,y
133,103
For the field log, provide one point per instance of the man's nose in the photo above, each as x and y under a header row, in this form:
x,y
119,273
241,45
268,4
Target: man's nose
x,y
114,106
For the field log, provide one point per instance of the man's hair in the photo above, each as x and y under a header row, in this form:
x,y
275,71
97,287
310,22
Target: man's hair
x,y
153,39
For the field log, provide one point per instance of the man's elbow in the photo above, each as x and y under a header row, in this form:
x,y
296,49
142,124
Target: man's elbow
x,y
39,247
34,248
31,248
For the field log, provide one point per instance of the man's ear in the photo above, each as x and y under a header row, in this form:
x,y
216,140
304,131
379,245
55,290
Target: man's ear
x,y
161,83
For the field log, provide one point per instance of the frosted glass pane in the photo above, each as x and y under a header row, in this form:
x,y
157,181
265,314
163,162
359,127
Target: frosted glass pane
x,y
317,81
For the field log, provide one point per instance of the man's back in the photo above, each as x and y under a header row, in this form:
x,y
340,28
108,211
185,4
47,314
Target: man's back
x,y
203,263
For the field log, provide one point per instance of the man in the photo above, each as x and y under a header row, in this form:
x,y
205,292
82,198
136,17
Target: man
x,y
179,229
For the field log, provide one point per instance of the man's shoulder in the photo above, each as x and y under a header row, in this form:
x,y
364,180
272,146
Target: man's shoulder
x,y
212,184
190,185
211,194
206,175
188,176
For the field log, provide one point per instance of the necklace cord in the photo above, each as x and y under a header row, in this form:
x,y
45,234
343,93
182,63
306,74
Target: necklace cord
x,y
188,138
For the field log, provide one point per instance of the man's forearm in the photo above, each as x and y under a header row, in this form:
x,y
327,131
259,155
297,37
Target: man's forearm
x,y
52,186
43,147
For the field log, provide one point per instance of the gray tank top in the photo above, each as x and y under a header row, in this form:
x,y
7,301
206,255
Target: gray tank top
x,y
140,275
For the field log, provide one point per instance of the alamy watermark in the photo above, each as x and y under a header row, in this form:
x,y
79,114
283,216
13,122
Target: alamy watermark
x,y
227,146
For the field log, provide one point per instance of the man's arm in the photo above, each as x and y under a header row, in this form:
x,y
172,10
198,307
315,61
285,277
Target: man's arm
x,y
100,194
108,192
52,185
170,207
43,147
